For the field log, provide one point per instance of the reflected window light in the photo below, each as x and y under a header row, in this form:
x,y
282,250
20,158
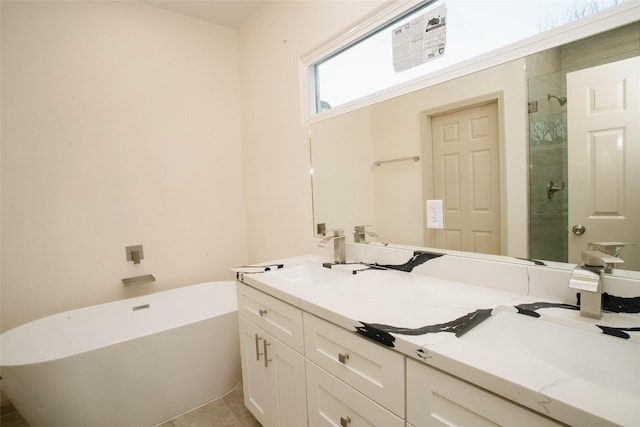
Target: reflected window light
x,y
473,28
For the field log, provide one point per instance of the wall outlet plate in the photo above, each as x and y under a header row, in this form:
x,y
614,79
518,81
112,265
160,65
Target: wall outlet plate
x,y
435,214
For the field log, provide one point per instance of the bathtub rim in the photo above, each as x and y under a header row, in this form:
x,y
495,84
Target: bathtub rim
x,y
8,360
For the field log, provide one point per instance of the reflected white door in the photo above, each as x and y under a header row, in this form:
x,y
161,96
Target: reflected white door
x,y
466,175
603,110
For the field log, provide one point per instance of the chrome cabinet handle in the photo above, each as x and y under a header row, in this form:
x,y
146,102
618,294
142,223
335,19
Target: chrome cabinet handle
x,y
258,354
262,312
344,421
265,344
343,357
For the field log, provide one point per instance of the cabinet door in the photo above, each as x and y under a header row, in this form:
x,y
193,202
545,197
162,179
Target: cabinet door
x,y
287,374
438,399
273,378
258,395
276,317
334,403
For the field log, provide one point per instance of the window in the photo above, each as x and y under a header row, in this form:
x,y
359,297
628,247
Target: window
x,y
473,28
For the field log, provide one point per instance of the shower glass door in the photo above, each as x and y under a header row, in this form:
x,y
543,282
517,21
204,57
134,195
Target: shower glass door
x,y
548,186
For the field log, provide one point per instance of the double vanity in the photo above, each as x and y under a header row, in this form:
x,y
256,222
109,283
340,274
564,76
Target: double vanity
x,y
405,337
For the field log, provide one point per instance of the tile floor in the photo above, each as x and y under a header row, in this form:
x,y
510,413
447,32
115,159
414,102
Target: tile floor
x,y
228,411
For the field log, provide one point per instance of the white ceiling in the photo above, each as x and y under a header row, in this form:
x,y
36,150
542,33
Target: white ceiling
x,y
230,13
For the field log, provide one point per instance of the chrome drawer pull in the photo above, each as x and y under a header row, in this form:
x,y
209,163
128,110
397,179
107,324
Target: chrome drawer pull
x,y
262,312
266,357
344,421
258,354
343,357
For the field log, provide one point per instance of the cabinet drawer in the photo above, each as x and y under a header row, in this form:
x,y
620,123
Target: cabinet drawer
x,y
376,371
435,398
278,318
333,403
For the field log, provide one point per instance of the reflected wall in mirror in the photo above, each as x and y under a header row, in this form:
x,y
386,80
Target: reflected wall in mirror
x,y
533,190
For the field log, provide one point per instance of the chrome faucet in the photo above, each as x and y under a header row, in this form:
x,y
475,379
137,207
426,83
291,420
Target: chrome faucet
x,y
360,234
339,253
588,278
609,248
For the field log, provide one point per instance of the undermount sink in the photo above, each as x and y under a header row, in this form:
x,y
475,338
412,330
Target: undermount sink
x,y
307,274
591,356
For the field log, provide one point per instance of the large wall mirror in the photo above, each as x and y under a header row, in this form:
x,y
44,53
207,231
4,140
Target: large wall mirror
x,y
511,151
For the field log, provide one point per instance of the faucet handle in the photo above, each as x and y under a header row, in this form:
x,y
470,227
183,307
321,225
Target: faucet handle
x,y
361,229
599,259
611,248
321,230
359,233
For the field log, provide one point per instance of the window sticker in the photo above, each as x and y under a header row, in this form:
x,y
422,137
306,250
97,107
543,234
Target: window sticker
x,y
420,40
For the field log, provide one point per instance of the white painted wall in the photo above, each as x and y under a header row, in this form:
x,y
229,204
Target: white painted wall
x,y
398,132
121,125
276,161
391,197
343,190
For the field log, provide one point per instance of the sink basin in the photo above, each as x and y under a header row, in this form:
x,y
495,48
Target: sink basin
x,y
578,352
307,274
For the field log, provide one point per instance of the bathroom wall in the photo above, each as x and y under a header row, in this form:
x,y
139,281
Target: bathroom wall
x,y
390,196
398,131
343,191
278,187
121,125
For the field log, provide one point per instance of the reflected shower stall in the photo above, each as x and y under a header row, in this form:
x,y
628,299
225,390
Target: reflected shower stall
x,y
548,136
548,186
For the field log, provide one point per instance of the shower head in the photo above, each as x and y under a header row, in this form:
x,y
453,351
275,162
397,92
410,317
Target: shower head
x,y
561,100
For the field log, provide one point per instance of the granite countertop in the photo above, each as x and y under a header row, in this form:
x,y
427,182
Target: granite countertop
x,y
433,320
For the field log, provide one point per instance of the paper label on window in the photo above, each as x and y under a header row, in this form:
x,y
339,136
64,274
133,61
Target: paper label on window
x,y
420,40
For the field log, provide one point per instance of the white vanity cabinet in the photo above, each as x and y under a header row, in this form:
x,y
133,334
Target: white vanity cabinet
x,y
278,318
299,369
334,403
273,373
435,398
369,367
350,380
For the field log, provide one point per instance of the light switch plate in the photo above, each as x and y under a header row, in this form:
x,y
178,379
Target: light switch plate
x,y
435,214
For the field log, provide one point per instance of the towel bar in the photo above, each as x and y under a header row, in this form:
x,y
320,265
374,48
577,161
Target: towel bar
x,y
381,162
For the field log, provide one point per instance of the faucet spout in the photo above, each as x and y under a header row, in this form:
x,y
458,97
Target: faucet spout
x,y
339,251
588,279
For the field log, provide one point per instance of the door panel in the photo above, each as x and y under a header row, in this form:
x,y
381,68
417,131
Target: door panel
x,y
465,173
604,157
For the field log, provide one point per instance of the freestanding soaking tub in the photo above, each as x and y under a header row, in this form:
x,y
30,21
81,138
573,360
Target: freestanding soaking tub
x,y
133,362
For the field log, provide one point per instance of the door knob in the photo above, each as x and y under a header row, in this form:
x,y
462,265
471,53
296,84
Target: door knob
x,y
578,229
